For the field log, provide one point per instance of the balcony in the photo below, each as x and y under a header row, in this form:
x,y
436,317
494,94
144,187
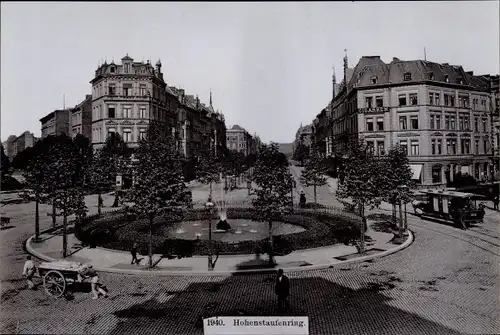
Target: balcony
x,y
373,110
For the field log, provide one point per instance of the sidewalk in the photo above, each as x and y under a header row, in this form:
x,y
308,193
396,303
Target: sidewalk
x,y
378,244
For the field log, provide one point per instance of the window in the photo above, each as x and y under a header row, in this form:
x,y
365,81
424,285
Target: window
x,y
451,146
111,112
370,146
460,81
380,123
484,125
432,122
112,89
407,76
446,99
452,100
369,101
433,147
431,98
404,145
142,90
465,146
431,76
402,99
414,147
142,112
461,123
379,101
436,174
127,90
142,134
466,123
413,99
476,124
438,121
127,68
476,151
369,124
374,80
486,146
439,145
111,132
446,78
127,135
414,122
380,148
436,99
112,69
452,123
127,112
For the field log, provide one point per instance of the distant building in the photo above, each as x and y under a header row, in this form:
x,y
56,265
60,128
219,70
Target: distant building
x,y
81,118
303,136
439,113
25,140
56,123
237,138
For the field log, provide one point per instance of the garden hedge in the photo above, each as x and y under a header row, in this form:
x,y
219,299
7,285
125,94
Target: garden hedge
x,y
119,230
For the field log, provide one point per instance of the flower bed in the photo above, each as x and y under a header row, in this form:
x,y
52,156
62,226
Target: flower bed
x,y
119,232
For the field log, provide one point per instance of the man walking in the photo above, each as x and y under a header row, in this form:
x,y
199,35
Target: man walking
x,y
495,202
29,272
133,251
282,289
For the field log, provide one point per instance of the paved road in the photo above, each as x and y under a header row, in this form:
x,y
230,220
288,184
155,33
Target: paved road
x,y
445,283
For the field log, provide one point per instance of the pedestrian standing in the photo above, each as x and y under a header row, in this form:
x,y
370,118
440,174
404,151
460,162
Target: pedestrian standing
x,y
133,251
495,203
282,290
302,199
29,271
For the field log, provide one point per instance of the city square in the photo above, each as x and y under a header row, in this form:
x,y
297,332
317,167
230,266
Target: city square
x,y
141,204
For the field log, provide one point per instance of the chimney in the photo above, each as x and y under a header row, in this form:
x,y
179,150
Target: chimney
x,y
395,59
446,63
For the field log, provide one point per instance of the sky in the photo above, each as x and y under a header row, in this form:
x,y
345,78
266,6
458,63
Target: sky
x,y
268,64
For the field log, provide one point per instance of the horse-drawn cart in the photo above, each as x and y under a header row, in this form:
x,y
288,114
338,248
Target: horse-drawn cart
x,y
57,275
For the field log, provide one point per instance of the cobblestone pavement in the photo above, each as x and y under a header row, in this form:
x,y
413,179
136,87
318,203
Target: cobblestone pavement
x,y
445,283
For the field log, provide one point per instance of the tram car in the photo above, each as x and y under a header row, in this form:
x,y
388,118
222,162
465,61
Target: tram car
x,y
459,208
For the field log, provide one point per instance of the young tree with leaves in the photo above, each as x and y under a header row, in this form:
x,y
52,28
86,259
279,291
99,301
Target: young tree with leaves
x,y
314,173
301,153
208,169
159,187
66,174
362,182
273,179
397,181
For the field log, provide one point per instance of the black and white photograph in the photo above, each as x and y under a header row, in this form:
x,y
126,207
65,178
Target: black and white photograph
x,y
244,168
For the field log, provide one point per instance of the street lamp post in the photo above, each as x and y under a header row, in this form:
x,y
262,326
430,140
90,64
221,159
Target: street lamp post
x,y
209,206
403,224
249,185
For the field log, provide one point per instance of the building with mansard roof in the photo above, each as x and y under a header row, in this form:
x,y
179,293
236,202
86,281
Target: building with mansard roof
x,y
439,113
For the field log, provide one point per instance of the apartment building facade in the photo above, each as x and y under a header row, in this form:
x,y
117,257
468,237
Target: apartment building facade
x,y
56,123
81,118
237,138
438,112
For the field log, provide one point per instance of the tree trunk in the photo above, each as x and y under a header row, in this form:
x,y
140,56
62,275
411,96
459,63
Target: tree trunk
x,y
37,220
99,203
363,224
53,213
315,197
400,220
150,251
271,244
210,194
394,215
65,236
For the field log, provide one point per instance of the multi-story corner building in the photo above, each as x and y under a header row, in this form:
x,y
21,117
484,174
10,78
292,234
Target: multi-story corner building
x,y
237,138
81,118
303,136
495,120
438,112
9,146
56,123
126,97
22,142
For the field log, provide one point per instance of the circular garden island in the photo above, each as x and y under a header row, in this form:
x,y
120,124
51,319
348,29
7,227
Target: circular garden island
x,y
303,229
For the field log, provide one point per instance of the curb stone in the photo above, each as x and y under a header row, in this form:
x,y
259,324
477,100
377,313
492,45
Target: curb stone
x,y
400,247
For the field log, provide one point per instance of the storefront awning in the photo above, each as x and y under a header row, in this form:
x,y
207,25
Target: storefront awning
x,y
417,170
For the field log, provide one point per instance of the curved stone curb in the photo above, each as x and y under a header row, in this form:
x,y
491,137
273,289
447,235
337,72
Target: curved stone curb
x,y
407,243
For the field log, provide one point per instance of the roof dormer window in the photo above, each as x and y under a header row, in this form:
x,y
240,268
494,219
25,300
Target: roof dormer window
x,y
431,75
460,81
374,80
407,76
446,78
112,69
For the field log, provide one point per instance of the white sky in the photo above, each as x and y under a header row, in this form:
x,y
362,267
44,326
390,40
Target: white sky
x,y
269,65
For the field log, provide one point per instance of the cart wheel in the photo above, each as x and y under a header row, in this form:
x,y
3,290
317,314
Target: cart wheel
x,y
54,283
